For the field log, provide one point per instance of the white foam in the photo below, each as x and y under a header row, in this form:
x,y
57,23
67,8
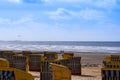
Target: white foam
x,y
59,48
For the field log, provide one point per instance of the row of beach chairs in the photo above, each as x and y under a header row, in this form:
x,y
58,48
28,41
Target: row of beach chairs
x,y
41,62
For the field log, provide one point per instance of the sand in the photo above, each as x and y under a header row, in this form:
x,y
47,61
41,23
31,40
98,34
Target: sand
x,y
91,66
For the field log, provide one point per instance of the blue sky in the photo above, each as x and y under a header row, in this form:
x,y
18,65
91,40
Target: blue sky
x,y
60,20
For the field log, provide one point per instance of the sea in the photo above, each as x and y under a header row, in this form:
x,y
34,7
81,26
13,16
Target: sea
x,y
75,46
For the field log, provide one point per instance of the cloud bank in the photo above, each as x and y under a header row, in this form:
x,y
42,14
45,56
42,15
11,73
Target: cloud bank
x,y
60,19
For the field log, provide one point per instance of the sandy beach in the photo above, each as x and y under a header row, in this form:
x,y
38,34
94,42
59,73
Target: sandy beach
x,y
91,66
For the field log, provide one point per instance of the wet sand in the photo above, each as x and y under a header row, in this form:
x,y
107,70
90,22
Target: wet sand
x,y
91,66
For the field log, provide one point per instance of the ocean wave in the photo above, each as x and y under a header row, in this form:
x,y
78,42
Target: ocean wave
x,y
59,48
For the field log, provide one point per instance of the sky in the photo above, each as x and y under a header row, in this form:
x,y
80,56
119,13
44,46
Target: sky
x,y
60,20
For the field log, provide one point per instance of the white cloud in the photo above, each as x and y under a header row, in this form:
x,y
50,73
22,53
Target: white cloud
x,y
15,1
29,29
84,14
23,20
63,0
24,1
91,14
60,13
16,23
107,4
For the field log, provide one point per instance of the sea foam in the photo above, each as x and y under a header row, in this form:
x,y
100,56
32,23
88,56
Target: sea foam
x,y
10,46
